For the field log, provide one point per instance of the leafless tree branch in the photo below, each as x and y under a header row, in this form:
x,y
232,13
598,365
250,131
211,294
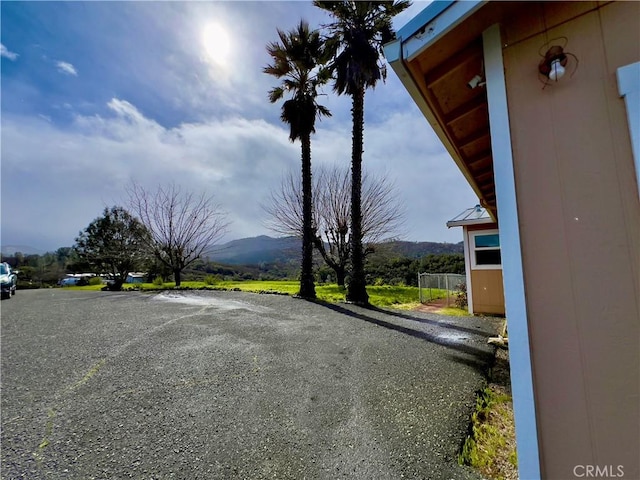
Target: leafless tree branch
x,y
183,225
382,213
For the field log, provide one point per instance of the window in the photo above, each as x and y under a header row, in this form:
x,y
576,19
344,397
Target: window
x,y
485,250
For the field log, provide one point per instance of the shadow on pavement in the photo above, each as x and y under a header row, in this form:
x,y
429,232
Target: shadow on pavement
x,y
447,325
481,359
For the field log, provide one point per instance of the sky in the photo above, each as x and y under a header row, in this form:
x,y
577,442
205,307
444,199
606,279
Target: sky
x,y
96,95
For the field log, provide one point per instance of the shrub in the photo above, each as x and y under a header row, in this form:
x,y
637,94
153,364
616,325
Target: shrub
x,y
211,279
461,296
158,281
95,281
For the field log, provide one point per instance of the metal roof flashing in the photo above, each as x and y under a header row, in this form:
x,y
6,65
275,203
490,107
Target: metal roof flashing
x,y
427,14
432,23
471,216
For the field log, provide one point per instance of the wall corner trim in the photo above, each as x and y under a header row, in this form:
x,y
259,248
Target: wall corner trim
x,y
514,290
629,89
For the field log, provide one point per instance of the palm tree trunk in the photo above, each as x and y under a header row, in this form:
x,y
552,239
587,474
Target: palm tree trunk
x,y
307,287
356,291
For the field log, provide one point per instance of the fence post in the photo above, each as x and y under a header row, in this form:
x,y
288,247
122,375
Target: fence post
x,y
446,284
430,282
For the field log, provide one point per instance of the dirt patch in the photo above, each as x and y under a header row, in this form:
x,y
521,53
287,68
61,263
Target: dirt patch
x,y
433,306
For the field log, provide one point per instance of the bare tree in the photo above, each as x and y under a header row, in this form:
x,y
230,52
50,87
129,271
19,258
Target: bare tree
x,y
182,225
382,213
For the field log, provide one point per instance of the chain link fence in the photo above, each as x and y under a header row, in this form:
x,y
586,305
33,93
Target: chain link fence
x,y
434,286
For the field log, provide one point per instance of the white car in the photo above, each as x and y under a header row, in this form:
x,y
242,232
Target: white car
x,y
8,280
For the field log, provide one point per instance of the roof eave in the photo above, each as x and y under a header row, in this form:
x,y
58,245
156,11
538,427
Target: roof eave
x,y
393,52
421,32
432,23
465,223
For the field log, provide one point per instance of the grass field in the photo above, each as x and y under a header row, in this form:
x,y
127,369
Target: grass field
x,y
402,297
381,296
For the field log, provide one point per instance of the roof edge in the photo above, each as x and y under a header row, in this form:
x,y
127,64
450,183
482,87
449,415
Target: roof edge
x,y
433,23
427,14
475,221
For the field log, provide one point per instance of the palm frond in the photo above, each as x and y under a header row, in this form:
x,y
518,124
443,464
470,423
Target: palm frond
x,y
298,61
357,34
276,94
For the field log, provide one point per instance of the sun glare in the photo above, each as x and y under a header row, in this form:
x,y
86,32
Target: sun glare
x,y
216,43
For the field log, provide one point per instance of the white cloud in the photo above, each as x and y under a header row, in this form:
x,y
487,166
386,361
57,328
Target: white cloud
x,y
66,68
404,147
6,53
60,180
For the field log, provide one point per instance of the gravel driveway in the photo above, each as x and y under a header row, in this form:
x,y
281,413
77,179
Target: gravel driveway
x,y
208,385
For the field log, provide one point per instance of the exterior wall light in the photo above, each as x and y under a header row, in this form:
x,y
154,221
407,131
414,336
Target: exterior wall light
x,y
476,81
553,65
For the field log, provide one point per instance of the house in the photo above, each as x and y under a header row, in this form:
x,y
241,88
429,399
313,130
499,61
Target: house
x,y
482,260
538,104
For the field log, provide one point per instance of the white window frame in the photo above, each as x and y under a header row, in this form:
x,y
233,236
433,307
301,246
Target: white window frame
x,y
629,89
472,249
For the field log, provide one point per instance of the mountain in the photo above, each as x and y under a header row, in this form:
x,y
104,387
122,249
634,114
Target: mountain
x,y
265,249
10,250
418,249
256,250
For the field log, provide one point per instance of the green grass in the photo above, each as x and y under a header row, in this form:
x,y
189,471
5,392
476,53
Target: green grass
x,y
380,296
492,438
388,295
455,312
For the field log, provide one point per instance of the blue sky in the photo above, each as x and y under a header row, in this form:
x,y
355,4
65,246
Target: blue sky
x,y
98,94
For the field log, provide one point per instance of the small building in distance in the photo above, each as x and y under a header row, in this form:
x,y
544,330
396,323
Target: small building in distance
x,y
136,277
482,260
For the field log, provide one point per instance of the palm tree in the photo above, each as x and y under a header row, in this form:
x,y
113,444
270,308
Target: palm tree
x,y
359,31
297,60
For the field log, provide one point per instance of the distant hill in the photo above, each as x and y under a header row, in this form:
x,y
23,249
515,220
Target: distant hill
x,y
265,249
10,250
256,250
419,249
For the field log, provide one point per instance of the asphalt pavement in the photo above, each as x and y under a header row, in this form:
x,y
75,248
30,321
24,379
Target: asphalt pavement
x,y
232,385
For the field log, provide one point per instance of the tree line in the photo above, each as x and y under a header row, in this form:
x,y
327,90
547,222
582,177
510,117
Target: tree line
x,y
38,270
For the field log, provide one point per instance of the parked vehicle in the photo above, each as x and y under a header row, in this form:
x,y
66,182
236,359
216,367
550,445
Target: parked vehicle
x,y
65,282
8,280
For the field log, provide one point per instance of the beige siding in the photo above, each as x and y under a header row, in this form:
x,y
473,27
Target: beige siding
x,y
580,226
488,294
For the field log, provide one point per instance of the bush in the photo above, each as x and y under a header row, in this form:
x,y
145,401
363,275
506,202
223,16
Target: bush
x,y
158,281
461,296
211,279
95,281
